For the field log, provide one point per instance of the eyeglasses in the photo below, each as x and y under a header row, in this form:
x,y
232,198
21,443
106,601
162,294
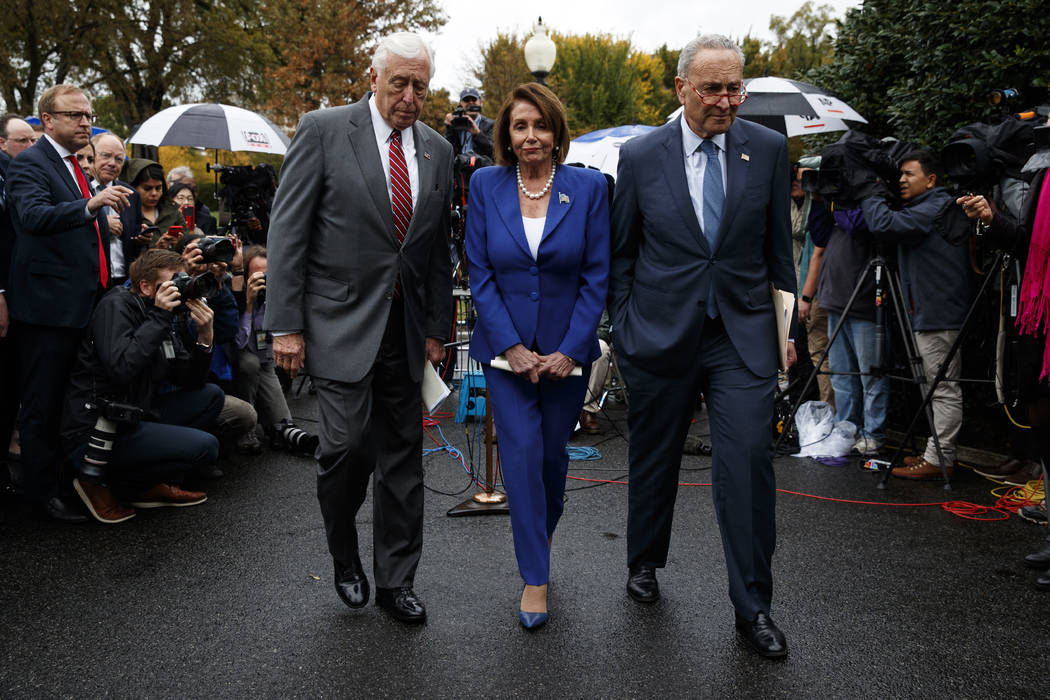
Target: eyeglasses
x,y
78,116
713,98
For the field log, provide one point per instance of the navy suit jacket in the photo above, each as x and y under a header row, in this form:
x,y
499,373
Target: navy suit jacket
x,y
663,268
555,301
54,269
7,231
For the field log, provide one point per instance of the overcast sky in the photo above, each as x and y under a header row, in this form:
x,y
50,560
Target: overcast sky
x,y
648,23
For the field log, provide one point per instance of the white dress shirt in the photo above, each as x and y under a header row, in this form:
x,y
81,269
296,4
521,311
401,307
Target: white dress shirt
x,y
408,145
696,162
64,154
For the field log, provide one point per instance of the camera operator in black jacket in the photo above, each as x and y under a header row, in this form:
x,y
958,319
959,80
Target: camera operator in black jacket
x,y
138,405
467,129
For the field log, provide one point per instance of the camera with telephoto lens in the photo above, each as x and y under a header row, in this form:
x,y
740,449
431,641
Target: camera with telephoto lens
x,y
460,120
288,435
216,249
200,286
858,166
111,416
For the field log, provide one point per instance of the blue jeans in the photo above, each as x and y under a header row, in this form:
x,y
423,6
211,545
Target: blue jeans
x,y
854,351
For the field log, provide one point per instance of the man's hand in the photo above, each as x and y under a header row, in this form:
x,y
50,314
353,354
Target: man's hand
x,y
976,207
556,365
435,351
524,362
256,283
792,356
804,307
204,317
289,353
168,297
474,128
192,257
5,319
116,228
115,196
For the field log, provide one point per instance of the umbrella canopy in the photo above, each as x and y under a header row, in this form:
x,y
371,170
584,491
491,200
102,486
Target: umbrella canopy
x,y
206,125
601,149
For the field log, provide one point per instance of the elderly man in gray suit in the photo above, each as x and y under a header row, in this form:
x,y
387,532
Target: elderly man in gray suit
x,y
360,295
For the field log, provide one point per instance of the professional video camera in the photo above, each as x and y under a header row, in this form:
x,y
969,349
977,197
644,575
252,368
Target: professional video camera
x,y
200,286
288,435
460,120
111,415
246,194
857,166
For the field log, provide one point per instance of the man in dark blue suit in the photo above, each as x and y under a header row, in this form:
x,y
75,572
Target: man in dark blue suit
x,y
60,266
700,228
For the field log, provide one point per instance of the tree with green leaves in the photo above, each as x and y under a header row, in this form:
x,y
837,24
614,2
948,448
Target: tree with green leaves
x,y
919,69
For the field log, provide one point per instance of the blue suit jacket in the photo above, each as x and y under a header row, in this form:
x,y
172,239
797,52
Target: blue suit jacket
x,y
663,268
555,301
54,269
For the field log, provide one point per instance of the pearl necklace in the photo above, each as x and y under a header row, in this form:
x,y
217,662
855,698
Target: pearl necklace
x,y
535,195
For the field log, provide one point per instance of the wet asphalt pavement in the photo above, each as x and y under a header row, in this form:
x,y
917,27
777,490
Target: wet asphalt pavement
x,y
234,598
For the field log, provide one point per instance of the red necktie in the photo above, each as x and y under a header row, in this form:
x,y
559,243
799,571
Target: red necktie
x,y
103,268
400,187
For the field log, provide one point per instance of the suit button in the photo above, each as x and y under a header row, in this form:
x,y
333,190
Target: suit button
x,y
534,296
534,271
389,295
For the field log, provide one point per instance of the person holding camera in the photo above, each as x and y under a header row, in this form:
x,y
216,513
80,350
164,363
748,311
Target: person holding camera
x,y
256,380
466,128
935,279
138,404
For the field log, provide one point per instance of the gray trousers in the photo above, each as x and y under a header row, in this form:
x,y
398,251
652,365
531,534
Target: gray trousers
x,y
373,430
257,383
599,375
947,401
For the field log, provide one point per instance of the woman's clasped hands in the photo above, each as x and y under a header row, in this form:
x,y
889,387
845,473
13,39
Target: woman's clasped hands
x,y
529,364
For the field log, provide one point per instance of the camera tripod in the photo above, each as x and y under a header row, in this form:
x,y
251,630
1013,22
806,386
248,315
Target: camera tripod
x,y
887,283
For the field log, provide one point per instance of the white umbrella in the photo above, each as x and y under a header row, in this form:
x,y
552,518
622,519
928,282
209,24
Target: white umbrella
x,y
210,125
601,149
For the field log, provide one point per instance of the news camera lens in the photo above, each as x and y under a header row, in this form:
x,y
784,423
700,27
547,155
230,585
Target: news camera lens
x,y
199,287
295,438
216,249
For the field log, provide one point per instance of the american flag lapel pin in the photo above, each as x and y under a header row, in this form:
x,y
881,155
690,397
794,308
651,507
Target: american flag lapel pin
x,y
426,155
563,198
744,156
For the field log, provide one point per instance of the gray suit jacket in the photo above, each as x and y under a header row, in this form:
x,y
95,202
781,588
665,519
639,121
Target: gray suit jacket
x,y
663,267
334,256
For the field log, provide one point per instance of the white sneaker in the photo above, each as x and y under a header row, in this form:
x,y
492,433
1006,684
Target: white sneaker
x,y
867,446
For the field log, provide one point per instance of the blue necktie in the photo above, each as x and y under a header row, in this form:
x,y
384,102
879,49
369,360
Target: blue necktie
x,y
714,202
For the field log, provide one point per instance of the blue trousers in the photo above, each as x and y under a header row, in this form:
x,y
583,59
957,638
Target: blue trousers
x,y
862,400
534,423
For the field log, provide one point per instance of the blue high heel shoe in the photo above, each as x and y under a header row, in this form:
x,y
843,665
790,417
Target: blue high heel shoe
x,y
532,620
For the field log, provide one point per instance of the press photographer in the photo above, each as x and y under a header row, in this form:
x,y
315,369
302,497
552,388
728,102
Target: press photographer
x,y
138,406
934,277
256,380
245,199
467,129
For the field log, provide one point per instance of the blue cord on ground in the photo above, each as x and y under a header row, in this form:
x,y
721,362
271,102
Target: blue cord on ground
x,y
583,454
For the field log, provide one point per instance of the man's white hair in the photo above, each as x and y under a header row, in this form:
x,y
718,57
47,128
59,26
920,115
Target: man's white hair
x,y
705,41
405,45
178,172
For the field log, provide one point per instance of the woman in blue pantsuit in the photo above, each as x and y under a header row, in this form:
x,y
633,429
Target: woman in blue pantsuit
x,y
537,245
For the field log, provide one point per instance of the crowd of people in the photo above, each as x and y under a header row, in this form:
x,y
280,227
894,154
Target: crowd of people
x,y
132,353
137,345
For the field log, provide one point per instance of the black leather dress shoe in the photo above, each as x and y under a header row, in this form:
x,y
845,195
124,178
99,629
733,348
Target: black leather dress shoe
x,y
1040,559
57,509
351,583
764,635
1043,582
402,603
642,585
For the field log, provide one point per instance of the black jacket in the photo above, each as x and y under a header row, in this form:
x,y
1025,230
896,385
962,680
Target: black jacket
x,y
122,358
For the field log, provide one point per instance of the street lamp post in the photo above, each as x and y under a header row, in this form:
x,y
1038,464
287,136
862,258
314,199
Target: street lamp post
x,y
540,52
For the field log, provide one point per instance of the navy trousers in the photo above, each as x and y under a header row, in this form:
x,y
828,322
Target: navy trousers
x,y
534,423
740,411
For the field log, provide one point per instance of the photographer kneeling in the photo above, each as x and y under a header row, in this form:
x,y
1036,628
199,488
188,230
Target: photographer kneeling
x,y
129,439
256,381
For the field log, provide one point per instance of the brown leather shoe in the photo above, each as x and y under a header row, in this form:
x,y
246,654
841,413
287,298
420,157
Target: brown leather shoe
x,y
1027,471
589,424
101,503
922,471
163,495
1006,468
911,460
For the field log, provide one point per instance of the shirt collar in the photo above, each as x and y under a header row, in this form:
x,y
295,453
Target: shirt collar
x,y
691,141
383,130
62,150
